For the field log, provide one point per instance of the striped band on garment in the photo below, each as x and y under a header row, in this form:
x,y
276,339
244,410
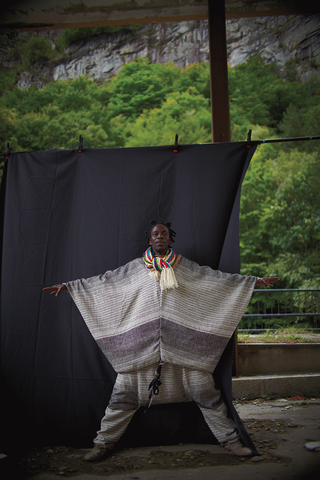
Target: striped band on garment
x,y
136,323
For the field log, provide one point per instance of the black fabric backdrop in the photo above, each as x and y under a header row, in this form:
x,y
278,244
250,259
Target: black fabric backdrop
x,y
68,215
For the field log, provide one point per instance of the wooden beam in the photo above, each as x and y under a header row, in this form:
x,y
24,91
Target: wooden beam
x,y
33,26
219,71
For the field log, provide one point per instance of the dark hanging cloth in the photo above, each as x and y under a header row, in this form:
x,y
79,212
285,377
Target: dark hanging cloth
x,y
69,215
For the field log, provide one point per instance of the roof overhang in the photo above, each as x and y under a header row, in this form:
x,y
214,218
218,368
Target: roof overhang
x,y
53,14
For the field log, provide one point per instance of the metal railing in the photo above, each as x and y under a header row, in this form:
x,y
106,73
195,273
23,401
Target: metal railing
x,y
276,308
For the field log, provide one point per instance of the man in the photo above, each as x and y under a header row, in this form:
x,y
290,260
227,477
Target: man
x,y
163,316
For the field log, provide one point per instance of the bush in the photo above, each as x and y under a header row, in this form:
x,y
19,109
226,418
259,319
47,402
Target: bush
x,y
7,78
37,49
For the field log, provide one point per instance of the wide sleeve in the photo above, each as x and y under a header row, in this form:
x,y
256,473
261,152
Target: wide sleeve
x,y
121,310
200,316
102,299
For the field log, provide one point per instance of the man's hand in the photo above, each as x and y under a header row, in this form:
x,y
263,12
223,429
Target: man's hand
x,y
56,289
266,281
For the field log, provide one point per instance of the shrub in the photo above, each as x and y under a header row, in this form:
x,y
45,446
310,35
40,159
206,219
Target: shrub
x,y
37,49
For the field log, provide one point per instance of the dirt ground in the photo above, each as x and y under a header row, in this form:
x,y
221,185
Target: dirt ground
x,y
267,435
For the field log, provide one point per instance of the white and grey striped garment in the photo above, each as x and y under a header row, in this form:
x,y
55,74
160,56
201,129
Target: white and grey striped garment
x,y
136,324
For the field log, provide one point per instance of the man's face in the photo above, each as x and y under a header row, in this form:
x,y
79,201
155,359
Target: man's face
x,y
160,239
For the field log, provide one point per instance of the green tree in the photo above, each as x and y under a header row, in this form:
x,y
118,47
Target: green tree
x,y
196,75
37,49
280,212
249,85
140,86
7,78
262,97
186,114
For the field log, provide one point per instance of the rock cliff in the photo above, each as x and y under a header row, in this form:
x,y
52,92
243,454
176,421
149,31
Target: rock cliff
x,y
291,42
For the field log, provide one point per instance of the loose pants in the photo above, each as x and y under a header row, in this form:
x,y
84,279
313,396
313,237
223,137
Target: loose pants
x,y
179,385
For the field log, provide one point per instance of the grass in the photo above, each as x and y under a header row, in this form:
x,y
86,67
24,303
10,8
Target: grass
x,y
282,335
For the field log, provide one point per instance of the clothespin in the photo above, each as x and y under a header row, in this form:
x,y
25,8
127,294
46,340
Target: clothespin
x,y
249,139
80,144
8,151
175,148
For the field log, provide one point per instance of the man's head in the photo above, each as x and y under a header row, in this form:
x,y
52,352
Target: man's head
x,y
160,235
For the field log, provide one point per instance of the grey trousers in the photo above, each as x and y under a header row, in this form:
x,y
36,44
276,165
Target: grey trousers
x,y
179,385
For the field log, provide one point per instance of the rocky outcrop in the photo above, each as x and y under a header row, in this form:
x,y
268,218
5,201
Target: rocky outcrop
x,y
278,39
282,40
103,56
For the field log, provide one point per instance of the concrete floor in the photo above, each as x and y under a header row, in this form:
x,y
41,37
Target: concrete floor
x,y
280,429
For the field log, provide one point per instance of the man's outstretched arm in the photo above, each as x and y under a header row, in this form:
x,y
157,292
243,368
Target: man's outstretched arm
x,y
56,289
266,281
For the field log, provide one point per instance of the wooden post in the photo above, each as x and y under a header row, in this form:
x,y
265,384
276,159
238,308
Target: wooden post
x,y
220,113
219,71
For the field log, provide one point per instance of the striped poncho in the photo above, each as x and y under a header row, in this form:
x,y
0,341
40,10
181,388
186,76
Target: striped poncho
x,y
136,324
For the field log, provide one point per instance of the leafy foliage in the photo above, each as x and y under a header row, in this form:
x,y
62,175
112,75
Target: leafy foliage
x,y
186,113
280,217
37,49
7,78
140,86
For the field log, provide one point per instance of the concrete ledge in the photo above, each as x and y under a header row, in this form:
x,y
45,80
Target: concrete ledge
x,y
278,358
276,386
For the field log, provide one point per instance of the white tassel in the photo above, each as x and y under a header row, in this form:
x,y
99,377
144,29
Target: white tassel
x,y
155,275
168,279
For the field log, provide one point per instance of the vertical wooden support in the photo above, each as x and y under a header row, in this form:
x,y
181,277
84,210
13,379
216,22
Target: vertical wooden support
x,y
220,113
219,71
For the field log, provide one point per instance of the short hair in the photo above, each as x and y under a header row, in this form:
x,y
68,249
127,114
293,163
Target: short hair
x,y
153,223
